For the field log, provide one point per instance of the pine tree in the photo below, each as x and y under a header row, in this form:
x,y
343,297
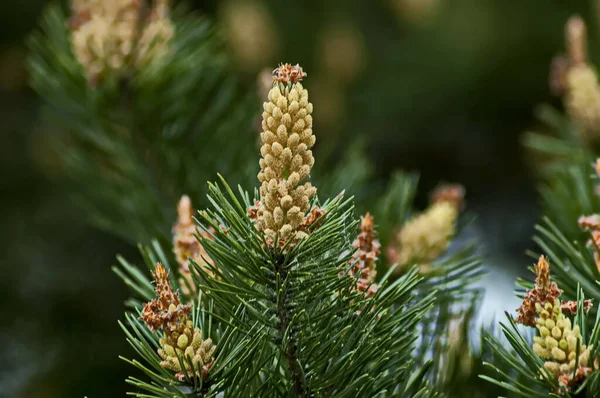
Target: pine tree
x,y
287,303
562,358
143,97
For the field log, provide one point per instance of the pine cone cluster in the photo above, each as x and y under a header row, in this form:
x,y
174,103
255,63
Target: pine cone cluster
x,y
427,236
365,257
180,339
557,344
186,344
114,36
558,340
287,159
577,81
582,100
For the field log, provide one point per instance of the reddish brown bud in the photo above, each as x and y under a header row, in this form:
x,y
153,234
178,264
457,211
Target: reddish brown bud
x,y
288,73
450,193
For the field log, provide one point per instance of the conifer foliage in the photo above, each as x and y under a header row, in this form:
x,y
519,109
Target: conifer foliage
x,y
281,311
275,292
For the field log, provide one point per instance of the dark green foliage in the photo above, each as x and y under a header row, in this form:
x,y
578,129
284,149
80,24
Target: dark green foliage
x,y
453,278
464,362
568,189
134,146
310,333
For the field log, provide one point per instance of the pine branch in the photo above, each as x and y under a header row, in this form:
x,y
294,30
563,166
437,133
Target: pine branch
x,y
290,285
283,322
297,346
561,361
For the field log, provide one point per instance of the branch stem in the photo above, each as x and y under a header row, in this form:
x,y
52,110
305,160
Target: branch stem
x,y
283,317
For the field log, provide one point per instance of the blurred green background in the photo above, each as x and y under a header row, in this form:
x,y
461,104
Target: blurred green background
x,y
445,87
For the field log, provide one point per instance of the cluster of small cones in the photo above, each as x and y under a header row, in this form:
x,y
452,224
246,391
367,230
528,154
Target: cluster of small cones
x,y
573,78
181,342
364,259
427,236
558,342
118,36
